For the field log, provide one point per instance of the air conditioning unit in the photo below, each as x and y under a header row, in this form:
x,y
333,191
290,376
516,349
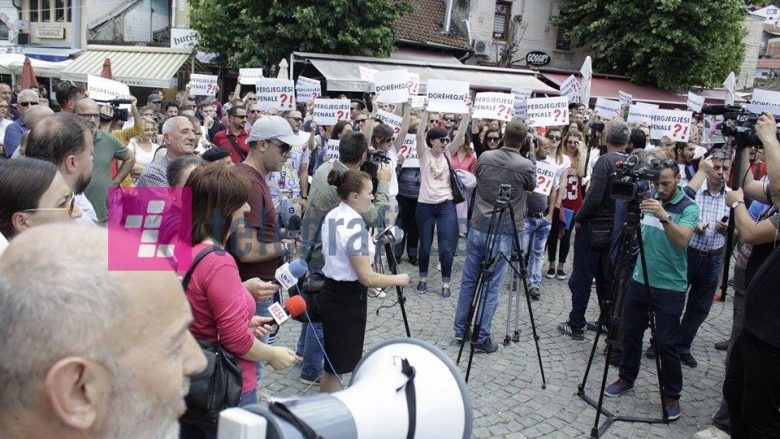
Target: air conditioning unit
x,y
483,47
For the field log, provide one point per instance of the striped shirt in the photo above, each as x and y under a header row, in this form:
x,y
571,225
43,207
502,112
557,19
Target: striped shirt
x,y
712,208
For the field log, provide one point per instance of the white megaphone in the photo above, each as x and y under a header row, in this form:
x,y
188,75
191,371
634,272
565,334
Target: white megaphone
x,y
376,405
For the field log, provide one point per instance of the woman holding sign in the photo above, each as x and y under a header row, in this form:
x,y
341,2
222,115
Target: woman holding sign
x,y
435,206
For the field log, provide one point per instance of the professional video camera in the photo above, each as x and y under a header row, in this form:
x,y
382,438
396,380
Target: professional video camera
x,y
371,166
631,180
378,157
738,122
505,193
122,114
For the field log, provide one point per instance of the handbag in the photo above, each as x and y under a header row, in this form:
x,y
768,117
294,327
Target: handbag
x,y
458,189
219,386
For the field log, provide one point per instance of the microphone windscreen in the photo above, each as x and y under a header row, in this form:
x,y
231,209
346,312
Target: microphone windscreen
x,y
298,268
295,306
294,223
398,234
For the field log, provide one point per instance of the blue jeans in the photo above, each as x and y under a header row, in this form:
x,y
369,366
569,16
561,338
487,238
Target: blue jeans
x,y
667,306
588,263
309,349
703,272
536,232
444,217
475,255
262,310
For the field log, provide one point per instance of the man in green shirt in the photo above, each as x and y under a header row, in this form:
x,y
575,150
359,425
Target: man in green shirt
x,y
667,225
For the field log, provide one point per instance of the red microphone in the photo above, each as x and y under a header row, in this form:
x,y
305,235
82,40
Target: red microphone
x,y
293,307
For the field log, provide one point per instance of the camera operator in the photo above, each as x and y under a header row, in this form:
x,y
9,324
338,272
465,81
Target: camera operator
x,y
494,168
594,223
667,226
753,369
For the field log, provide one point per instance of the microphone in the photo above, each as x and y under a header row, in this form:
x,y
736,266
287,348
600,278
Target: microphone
x,y
294,227
719,110
288,274
394,233
293,307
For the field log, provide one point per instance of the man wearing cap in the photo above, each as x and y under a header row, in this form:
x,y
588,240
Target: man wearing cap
x,y
234,138
290,185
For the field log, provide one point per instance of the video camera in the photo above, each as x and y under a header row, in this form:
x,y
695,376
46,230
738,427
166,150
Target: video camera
x,y
738,122
505,193
631,180
122,114
378,157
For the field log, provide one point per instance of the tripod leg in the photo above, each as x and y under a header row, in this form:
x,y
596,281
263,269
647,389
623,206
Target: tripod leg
x,y
511,291
516,334
392,262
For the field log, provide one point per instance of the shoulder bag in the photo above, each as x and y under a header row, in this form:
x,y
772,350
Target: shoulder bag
x,y
458,189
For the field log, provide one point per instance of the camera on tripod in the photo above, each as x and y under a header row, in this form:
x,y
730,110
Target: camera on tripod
x,y
631,180
738,122
505,193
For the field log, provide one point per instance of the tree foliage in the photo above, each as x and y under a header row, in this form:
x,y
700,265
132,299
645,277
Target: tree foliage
x,y
674,44
254,33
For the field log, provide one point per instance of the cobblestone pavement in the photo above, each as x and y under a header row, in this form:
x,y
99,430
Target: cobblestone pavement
x,y
506,386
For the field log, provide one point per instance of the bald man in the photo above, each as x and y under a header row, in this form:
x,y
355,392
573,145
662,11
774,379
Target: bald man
x,y
90,353
31,119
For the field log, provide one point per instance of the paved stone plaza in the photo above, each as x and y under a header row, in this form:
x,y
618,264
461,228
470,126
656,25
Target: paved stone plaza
x,y
506,386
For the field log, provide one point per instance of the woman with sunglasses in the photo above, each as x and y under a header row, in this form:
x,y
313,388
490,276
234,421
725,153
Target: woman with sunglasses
x,y
33,192
435,206
491,140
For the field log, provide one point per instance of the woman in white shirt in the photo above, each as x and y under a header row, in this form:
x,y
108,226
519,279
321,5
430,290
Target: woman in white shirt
x,y
348,252
144,148
4,122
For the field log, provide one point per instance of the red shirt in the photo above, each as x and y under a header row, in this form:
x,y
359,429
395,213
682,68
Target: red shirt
x,y
469,163
223,138
221,303
573,197
262,217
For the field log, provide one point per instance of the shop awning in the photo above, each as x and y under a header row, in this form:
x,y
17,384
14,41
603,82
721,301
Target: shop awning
x,y
608,87
342,73
153,67
11,64
51,54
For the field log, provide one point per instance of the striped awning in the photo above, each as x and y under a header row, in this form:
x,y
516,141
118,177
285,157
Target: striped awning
x,y
135,66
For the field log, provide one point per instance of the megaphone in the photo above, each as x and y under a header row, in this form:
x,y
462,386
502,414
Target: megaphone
x,y
377,404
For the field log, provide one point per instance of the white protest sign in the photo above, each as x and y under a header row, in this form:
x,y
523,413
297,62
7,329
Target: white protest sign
x,y
409,151
391,86
250,76
418,101
307,89
640,113
329,111
447,96
546,112
496,106
102,89
545,177
764,100
203,85
571,88
392,120
695,102
367,74
332,151
624,98
182,38
607,108
275,93
413,84
521,96
672,123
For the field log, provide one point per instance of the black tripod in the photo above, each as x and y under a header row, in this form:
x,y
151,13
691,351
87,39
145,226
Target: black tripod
x,y
392,263
487,270
631,232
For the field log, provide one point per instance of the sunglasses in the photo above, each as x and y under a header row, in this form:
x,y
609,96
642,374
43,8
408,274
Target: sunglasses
x,y
572,142
361,120
71,207
449,119
493,139
284,148
254,111
297,119
241,117
555,138
251,99
27,104
444,139
663,163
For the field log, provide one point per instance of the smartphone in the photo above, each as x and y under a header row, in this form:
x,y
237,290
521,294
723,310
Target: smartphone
x,y
725,219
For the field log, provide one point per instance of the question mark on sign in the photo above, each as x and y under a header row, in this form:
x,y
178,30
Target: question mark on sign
x,y
501,109
283,97
340,115
677,129
557,113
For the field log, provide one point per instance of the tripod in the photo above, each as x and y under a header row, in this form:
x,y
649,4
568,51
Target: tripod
x,y
476,311
631,232
392,263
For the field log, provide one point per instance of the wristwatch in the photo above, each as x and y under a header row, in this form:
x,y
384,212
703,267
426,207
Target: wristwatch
x,y
666,220
737,203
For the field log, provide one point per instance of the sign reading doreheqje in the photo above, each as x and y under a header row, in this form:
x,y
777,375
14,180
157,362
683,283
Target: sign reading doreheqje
x,y
102,89
391,86
607,108
203,85
329,111
275,93
765,100
307,89
392,120
497,106
250,76
672,123
447,96
521,97
640,113
546,112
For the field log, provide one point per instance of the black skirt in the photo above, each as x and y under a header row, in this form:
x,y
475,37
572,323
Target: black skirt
x,y
343,309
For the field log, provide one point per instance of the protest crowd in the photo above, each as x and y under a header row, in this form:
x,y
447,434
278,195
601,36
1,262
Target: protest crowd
x,y
265,181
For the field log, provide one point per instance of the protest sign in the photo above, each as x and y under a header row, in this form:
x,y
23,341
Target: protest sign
x,y
447,96
571,88
418,101
331,151
329,111
624,98
545,177
545,112
250,76
695,102
391,86
409,151
521,96
496,106
392,120
203,85
607,108
413,84
275,93
367,74
102,89
640,113
307,89
765,100
672,123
